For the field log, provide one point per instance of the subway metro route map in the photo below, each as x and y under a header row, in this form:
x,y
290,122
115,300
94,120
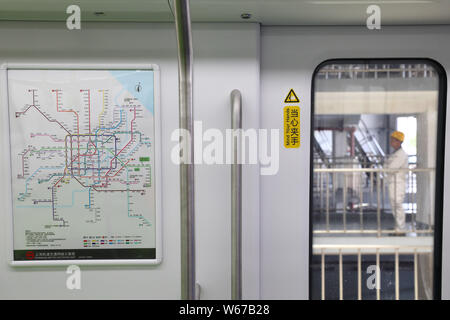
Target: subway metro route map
x,y
82,162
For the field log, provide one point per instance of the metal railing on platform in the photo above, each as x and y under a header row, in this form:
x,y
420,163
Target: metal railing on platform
x,y
358,71
355,184
377,250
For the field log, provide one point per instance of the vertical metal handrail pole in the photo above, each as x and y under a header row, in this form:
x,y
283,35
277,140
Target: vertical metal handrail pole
x,y
236,197
187,213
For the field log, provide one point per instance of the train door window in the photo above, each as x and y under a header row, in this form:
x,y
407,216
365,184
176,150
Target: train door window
x,y
376,182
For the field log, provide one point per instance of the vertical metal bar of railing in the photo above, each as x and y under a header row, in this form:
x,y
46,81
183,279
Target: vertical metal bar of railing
x,y
236,197
410,200
321,190
431,206
344,203
341,277
395,209
359,275
328,202
187,193
377,272
397,276
361,222
378,205
430,261
409,193
371,188
335,183
416,277
315,178
383,191
323,274
414,202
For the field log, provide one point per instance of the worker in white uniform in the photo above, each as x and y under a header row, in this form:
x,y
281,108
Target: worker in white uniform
x,y
396,180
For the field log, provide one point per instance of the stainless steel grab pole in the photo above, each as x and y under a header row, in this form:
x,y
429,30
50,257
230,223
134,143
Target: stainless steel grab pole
x,y
236,197
185,64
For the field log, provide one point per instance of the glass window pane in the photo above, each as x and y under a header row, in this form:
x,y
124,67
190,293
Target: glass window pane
x,y
374,180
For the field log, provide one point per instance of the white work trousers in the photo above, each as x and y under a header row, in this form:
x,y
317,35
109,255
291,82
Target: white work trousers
x,y
396,188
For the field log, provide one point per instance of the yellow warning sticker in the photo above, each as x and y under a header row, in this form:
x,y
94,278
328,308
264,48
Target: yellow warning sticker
x,y
291,97
292,127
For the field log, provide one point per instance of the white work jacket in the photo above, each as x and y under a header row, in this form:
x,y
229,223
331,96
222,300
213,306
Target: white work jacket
x,y
397,160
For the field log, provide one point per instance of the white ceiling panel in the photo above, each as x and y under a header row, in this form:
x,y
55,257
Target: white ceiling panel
x,y
267,12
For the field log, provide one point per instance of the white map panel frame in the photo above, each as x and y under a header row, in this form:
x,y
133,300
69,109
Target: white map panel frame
x,y
156,145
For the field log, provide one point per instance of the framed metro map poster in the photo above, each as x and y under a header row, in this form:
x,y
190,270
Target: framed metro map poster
x,y
84,150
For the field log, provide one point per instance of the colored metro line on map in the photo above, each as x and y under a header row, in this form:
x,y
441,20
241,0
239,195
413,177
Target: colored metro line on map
x,y
82,150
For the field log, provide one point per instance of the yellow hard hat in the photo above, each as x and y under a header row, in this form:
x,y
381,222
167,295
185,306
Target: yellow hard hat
x,y
400,136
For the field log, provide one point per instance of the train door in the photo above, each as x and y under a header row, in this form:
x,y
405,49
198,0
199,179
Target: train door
x,y
333,218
